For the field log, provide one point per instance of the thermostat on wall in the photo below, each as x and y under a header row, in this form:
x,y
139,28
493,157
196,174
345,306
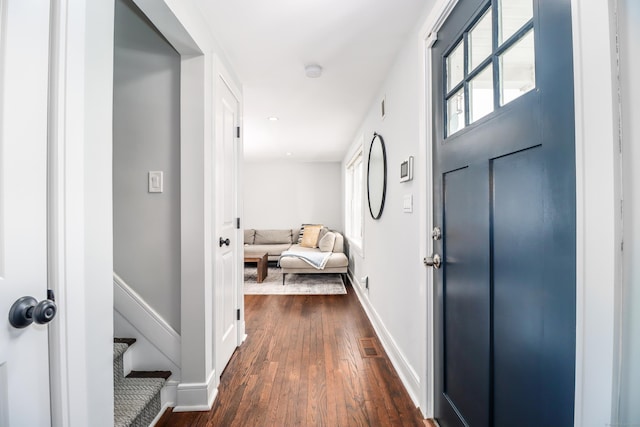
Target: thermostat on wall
x,y
406,170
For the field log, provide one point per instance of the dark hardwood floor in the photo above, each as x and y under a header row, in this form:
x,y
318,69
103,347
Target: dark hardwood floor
x,y
302,365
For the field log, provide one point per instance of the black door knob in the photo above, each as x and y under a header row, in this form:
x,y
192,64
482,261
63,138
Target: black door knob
x,y
224,242
27,310
45,311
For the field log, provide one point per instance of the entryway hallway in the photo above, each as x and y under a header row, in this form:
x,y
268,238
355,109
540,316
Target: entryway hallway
x,y
311,360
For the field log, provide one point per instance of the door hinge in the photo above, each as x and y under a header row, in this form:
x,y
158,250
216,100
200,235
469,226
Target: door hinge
x,y
238,315
238,223
237,131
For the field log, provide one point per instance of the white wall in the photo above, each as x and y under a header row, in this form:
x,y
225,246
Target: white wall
x,y
83,270
146,137
628,16
287,194
202,60
391,245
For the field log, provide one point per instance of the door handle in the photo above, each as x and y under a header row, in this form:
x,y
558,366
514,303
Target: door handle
x,y
27,310
225,241
434,261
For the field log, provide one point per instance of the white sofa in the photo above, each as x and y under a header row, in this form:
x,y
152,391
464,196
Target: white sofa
x,y
274,242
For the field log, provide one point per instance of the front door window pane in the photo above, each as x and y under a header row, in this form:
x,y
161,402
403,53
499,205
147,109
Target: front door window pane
x,y
513,14
492,64
455,112
480,41
481,94
517,69
455,66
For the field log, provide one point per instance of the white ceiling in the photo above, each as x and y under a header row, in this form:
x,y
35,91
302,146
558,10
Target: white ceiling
x,y
270,42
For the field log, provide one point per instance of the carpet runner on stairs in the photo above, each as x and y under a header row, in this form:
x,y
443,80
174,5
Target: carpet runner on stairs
x,y
137,396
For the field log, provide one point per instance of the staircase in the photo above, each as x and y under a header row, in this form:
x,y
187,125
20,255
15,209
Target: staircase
x,y
137,400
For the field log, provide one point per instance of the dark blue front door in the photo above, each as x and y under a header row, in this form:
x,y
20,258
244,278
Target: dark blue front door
x,y
504,175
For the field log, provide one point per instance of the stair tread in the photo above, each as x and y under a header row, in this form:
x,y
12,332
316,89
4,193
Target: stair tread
x,y
128,341
131,397
119,349
142,385
137,396
149,374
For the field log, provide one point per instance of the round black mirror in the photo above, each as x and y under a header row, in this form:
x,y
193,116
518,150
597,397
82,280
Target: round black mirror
x,y
376,176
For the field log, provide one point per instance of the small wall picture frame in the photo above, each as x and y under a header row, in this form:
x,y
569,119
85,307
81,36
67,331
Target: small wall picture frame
x,y
406,170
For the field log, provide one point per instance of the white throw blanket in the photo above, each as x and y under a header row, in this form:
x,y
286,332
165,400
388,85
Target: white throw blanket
x,y
317,260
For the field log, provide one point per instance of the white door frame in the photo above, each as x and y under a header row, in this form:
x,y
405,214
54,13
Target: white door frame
x,y
427,34
80,252
597,193
61,329
598,220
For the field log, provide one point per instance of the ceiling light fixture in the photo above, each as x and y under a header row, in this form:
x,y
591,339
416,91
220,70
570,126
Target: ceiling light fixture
x,y
313,71
273,119
289,154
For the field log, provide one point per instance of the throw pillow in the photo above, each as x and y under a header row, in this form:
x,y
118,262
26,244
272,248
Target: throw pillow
x,y
272,237
326,243
301,232
249,236
323,231
310,236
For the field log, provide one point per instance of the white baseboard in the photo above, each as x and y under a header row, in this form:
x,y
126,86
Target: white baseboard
x,y
160,414
168,398
169,393
407,374
212,387
145,319
196,396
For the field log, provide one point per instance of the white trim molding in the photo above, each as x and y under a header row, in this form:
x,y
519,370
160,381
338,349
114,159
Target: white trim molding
x,y
357,151
169,394
145,319
196,396
80,220
406,372
428,36
598,218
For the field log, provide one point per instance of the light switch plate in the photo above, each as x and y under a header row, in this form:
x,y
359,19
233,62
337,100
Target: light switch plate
x,y
155,182
407,203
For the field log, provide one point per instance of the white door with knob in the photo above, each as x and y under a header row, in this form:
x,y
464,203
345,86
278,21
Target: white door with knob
x,y
227,153
24,360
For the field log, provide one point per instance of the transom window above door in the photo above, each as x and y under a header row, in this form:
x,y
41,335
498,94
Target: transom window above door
x,y
491,64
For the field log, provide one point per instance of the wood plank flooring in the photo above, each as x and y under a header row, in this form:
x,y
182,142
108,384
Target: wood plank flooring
x,y
301,365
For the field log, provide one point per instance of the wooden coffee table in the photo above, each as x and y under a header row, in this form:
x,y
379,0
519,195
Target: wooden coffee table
x,y
261,259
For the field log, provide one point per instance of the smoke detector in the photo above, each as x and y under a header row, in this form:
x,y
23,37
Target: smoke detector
x,y
313,71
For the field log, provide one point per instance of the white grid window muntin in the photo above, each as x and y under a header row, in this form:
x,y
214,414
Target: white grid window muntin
x,y
354,198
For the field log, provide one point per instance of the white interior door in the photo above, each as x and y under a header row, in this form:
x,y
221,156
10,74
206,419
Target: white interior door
x,y
226,241
24,368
